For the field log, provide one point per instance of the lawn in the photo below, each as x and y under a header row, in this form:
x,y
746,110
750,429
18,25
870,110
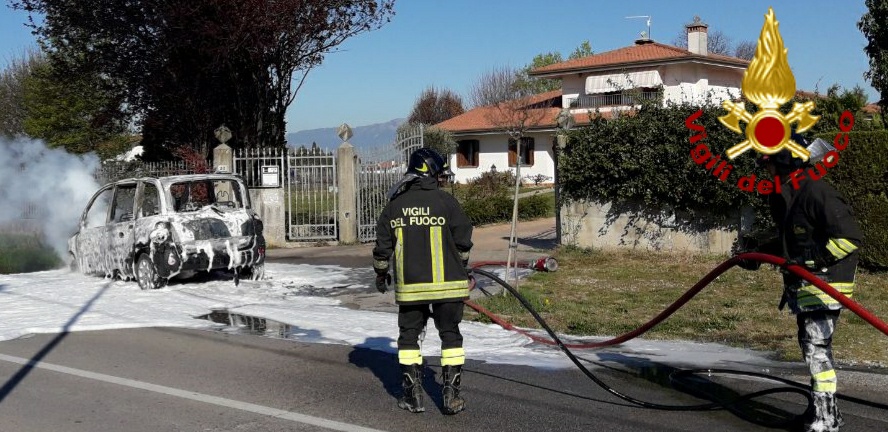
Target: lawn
x,y
610,293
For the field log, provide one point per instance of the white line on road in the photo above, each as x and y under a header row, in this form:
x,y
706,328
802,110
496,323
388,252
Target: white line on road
x,y
200,397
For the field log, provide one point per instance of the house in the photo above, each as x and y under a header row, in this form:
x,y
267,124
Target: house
x,y
608,82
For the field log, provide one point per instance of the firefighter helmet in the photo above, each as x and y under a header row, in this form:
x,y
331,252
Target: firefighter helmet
x,y
784,160
426,162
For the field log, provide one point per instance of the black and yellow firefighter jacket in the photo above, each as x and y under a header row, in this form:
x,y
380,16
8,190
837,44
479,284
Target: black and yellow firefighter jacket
x,y
429,236
816,228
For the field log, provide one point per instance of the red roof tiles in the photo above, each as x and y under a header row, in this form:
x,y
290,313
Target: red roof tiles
x,y
636,54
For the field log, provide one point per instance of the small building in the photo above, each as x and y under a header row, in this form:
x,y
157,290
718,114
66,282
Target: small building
x,y
606,83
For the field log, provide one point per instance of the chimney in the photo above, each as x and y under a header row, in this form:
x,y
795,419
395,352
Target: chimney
x,y
697,37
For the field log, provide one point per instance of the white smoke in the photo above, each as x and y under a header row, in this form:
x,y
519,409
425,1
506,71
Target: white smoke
x,y
49,186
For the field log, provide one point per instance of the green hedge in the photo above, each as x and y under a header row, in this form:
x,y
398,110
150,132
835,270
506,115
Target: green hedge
x,y
25,253
642,164
862,176
489,199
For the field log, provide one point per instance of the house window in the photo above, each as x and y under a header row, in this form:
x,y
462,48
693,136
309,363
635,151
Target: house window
x,y
467,154
526,152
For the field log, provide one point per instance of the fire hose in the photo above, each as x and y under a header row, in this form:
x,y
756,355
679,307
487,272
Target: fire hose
x,y
681,301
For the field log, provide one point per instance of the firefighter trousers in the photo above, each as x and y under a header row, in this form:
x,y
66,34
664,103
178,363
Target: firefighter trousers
x,y
815,338
412,320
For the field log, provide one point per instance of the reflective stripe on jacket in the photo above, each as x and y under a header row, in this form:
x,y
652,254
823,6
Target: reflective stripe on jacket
x,y
428,236
817,228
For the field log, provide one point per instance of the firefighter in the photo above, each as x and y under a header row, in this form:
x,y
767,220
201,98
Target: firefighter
x,y
816,229
429,236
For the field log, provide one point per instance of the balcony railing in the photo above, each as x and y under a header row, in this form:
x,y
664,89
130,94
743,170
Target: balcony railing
x,y
625,98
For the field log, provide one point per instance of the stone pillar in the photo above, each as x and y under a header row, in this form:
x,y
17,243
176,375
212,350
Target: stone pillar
x,y
347,196
223,159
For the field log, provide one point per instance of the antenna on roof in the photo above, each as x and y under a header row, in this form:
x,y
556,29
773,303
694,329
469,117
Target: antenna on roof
x,y
643,34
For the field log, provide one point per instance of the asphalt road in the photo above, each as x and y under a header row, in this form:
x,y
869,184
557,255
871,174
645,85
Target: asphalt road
x,y
167,379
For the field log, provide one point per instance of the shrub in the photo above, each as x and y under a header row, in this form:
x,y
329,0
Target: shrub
x,y
862,176
491,184
25,253
536,206
642,162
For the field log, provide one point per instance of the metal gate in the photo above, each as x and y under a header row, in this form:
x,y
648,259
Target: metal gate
x,y
378,170
306,181
311,194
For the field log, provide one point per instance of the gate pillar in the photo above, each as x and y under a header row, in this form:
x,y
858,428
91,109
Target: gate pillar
x,y
347,196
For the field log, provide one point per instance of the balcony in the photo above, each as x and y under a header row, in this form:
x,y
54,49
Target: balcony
x,y
620,99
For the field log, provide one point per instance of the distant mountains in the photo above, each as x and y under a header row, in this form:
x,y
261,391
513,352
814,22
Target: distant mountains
x,y
369,136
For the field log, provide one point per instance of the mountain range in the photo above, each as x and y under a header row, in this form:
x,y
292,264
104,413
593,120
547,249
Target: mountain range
x,y
369,136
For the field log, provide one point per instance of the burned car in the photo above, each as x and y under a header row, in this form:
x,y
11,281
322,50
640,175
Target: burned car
x,y
154,229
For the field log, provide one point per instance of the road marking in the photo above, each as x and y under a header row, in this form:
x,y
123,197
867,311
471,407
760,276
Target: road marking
x,y
200,397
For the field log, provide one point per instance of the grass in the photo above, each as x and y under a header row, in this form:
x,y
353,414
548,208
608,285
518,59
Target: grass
x,y
610,293
23,253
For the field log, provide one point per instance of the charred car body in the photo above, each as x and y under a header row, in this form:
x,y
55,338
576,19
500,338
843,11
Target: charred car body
x,y
153,229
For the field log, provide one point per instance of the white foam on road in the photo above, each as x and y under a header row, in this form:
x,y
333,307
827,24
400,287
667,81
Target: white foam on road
x,y
54,301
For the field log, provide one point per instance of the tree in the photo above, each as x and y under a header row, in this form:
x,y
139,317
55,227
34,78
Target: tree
x,y
717,42
541,85
186,67
745,50
12,92
874,25
434,106
72,112
510,106
440,140
584,50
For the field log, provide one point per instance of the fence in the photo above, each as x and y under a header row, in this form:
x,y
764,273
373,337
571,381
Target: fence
x,y
378,171
112,171
298,190
307,179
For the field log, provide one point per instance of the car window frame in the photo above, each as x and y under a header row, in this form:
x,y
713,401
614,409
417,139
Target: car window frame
x,y
85,216
140,196
110,218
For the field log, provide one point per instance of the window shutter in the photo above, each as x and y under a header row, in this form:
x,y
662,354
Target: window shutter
x,y
461,155
475,150
529,145
513,156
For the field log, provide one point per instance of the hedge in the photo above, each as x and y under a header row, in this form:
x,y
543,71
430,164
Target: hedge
x,y
643,163
20,253
862,176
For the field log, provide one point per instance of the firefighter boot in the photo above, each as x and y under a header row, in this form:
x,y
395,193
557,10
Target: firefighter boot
x,y
453,403
827,417
411,383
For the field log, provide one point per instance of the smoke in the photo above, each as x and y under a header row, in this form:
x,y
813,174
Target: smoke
x,y
45,187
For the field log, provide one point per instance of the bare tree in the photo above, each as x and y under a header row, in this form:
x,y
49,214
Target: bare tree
x,y
510,106
717,42
745,50
496,85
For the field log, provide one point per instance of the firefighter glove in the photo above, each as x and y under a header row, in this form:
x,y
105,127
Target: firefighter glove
x,y
747,264
382,282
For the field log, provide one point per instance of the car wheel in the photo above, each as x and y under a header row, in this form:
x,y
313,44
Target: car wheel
x,y
146,274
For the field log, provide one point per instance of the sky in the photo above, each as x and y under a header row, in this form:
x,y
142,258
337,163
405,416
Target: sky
x,y
298,295
376,77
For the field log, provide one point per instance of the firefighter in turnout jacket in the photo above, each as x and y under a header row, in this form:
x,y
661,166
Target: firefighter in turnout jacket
x,y
816,229
429,236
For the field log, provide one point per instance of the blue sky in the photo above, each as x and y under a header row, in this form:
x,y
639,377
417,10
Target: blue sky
x,y
376,76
